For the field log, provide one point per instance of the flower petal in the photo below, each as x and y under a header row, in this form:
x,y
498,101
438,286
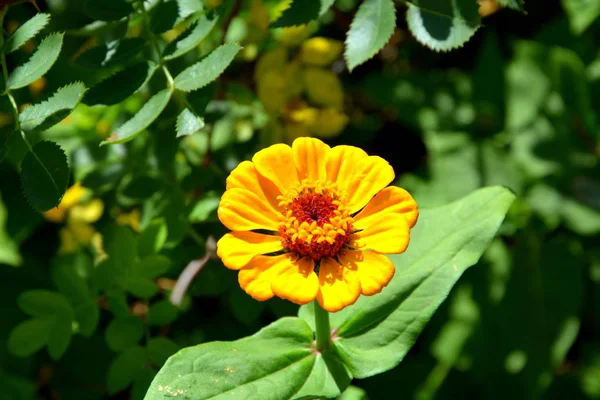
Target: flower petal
x,y
242,210
257,276
383,233
245,176
339,286
237,249
276,163
374,270
341,163
296,281
392,199
370,176
309,156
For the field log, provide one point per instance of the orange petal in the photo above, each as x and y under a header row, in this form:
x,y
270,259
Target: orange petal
x,y
276,163
383,233
297,281
370,176
257,276
242,210
246,176
237,249
309,156
374,270
392,199
339,286
341,163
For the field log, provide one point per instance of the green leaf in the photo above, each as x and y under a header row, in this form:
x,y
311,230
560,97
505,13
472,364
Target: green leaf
x,y
41,61
44,303
139,286
162,313
112,53
107,10
205,207
353,393
152,266
30,336
123,333
370,30
120,246
277,360
189,7
376,333
160,349
581,14
9,251
188,123
44,175
442,25
120,86
140,121
153,238
300,12
515,4
26,32
59,336
164,16
192,37
207,70
39,117
125,368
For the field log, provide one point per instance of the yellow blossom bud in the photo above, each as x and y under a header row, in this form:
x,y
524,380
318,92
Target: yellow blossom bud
x,y
87,213
320,51
72,196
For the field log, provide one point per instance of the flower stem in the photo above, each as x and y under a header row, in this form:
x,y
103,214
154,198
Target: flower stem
x,y
323,328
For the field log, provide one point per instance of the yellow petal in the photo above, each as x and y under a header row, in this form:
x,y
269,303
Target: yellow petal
x,y
237,249
242,210
245,176
370,176
82,232
341,163
374,270
323,87
320,51
392,199
309,154
383,233
57,214
89,212
276,163
296,281
339,286
257,276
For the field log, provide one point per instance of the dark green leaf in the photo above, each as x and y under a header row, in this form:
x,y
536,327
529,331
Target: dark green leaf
x,y
60,336
188,123
41,61
162,313
300,12
192,37
153,238
9,251
152,266
112,53
125,368
120,86
164,16
26,32
160,349
207,70
123,333
44,303
30,336
107,10
139,286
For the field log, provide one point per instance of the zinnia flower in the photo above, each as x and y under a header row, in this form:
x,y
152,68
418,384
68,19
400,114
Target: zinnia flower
x,y
313,222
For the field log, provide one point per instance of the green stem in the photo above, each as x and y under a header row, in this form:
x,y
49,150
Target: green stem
x,y
323,329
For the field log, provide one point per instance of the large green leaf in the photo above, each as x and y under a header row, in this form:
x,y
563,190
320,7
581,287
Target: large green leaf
x,y
192,37
370,30
300,12
9,251
207,70
164,16
376,333
278,361
25,32
41,61
111,53
188,123
120,86
140,121
442,25
107,10
581,13
44,175
39,117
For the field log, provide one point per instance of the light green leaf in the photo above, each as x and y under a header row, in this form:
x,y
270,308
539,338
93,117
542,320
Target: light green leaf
x,y
112,53
107,10
140,121
152,266
9,251
26,32
277,360
120,86
39,117
370,30
353,393
515,4
123,333
207,70
188,123
44,303
125,368
376,333
189,7
41,61
205,207
30,336
300,12
191,38
581,13
442,25
160,349
44,175
153,238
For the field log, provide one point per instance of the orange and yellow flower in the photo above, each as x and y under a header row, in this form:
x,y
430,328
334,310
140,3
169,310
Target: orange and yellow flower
x,y
313,222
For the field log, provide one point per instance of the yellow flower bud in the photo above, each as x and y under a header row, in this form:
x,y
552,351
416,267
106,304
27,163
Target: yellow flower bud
x,y
72,196
87,213
320,51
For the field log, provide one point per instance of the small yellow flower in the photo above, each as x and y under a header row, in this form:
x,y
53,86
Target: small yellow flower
x,y
324,123
323,87
320,51
329,221
72,196
131,219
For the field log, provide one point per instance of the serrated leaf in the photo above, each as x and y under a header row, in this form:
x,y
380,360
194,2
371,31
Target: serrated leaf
x,y
29,337
26,32
191,38
39,117
207,70
9,251
120,86
300,12
514,4
188,123
41,61
44,175
107,10
371,28
140,121
123,333
124,369
164,16
277,360
443,26
111,53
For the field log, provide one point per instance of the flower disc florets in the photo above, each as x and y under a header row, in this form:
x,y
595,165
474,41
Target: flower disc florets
x,y
316,224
